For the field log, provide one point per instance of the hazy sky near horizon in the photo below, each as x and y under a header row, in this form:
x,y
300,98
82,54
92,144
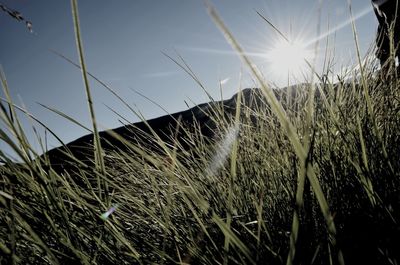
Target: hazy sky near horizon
x,y
124,41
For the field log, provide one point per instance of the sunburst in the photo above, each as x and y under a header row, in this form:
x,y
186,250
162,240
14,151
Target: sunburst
x,y
289,58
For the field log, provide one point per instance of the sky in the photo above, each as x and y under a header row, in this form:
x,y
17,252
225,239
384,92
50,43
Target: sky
x,y
125,42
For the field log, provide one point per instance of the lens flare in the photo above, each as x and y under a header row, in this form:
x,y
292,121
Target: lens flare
x,y
105,215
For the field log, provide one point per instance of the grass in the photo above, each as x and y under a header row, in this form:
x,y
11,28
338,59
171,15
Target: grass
x,y
267,187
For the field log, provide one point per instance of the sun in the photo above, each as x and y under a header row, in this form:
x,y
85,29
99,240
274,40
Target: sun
x,y
289,59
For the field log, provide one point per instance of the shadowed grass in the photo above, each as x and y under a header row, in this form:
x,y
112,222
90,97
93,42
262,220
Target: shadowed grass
x,y
301,175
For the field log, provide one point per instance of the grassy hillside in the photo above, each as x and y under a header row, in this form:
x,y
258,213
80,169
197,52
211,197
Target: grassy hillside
x,y
305,175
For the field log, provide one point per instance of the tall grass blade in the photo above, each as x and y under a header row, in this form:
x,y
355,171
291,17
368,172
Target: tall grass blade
x,y
98,152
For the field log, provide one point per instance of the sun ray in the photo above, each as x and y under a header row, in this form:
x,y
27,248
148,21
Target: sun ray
x,y
289,52
342,25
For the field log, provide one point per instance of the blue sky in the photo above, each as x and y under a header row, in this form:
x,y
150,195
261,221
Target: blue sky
x,y
124,41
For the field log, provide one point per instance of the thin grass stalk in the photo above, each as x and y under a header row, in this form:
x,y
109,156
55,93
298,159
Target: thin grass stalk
x,y
363,79
98,154
23,110
185,67
98,81
296,218
12,122
233,237
65,116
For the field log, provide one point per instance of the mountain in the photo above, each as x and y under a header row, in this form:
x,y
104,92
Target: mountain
x,y
170,126
164,127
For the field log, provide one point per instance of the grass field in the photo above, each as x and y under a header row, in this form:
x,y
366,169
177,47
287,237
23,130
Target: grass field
x,y
305,175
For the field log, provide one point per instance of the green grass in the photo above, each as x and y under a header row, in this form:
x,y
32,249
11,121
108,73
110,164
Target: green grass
x,y
310,177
